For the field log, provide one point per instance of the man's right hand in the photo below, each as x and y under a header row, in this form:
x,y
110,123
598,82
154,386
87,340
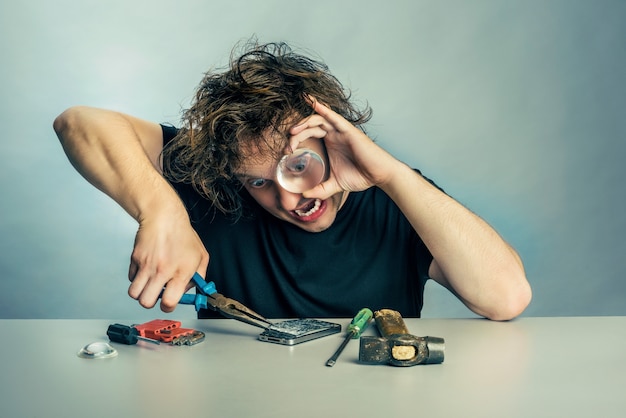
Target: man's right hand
x,y
166,255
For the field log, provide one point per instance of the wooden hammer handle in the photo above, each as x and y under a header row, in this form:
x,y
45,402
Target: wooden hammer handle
x,y
390,322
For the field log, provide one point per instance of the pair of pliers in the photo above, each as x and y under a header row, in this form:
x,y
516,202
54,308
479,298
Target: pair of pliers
x,y
206,297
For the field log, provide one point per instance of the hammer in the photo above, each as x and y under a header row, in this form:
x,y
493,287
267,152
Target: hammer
x,y
396,346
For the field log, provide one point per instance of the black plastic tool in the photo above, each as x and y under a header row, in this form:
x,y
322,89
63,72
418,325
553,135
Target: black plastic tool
x,y
124,334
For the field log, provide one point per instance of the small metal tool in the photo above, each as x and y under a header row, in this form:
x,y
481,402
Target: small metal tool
x,y
356,327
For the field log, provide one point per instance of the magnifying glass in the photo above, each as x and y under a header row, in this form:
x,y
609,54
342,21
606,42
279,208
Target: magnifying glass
x,y
300,171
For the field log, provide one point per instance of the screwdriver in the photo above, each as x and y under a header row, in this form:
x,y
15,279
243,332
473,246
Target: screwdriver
x,y
356,327
124,334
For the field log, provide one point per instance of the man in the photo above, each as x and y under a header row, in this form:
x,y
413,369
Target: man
x,y
207,200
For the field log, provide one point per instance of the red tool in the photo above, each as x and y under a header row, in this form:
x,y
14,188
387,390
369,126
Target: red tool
x,y
156,331
169,331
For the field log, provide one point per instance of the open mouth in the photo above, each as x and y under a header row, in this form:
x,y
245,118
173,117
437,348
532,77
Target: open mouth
x,y
309,209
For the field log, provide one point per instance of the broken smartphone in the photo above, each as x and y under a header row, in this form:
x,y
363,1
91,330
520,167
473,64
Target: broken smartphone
x,y
296,331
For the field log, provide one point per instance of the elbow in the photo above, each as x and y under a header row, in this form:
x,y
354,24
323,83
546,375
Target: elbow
x,y
69,122
511,302
62,123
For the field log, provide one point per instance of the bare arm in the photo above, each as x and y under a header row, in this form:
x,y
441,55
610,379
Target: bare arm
x,y
119,154
470,258
116,153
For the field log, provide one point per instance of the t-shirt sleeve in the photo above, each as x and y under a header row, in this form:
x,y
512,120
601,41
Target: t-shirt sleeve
x,y
169,132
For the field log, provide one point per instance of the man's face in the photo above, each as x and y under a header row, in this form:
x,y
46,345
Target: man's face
x,y
258,175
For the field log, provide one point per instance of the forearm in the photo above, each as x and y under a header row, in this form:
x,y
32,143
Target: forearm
x,y
470,258
105,148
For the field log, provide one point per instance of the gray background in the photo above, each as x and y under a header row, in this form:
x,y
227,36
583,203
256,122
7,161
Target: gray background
x,y
516,108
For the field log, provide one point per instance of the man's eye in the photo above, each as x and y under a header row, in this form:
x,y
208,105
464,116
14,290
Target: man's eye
x,y
256,183
298,164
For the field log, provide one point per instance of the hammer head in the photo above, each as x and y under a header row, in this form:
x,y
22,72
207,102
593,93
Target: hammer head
x,y
401,350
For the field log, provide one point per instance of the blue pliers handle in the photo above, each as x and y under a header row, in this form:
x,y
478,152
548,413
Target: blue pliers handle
x,y
199,299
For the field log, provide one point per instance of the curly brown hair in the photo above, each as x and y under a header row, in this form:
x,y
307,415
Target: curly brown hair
x,y
263,91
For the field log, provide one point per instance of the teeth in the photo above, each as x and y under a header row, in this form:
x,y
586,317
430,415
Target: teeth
x,y
311,211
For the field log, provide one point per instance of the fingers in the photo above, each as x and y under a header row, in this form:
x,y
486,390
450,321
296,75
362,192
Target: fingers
x,y
335,120
321,118
173,291
323,190
319,125
148,285
312,127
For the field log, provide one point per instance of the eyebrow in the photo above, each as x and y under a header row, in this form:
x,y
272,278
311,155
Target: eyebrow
x,y
268,175
245,176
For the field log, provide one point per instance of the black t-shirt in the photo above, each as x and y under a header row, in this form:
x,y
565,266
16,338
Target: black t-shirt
x,y
370,257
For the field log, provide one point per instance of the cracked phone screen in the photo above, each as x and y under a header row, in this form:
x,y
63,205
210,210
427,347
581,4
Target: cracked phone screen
x,y
296,331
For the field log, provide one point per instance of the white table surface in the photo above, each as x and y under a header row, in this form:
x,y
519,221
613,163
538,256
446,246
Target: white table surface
x,y
529,367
